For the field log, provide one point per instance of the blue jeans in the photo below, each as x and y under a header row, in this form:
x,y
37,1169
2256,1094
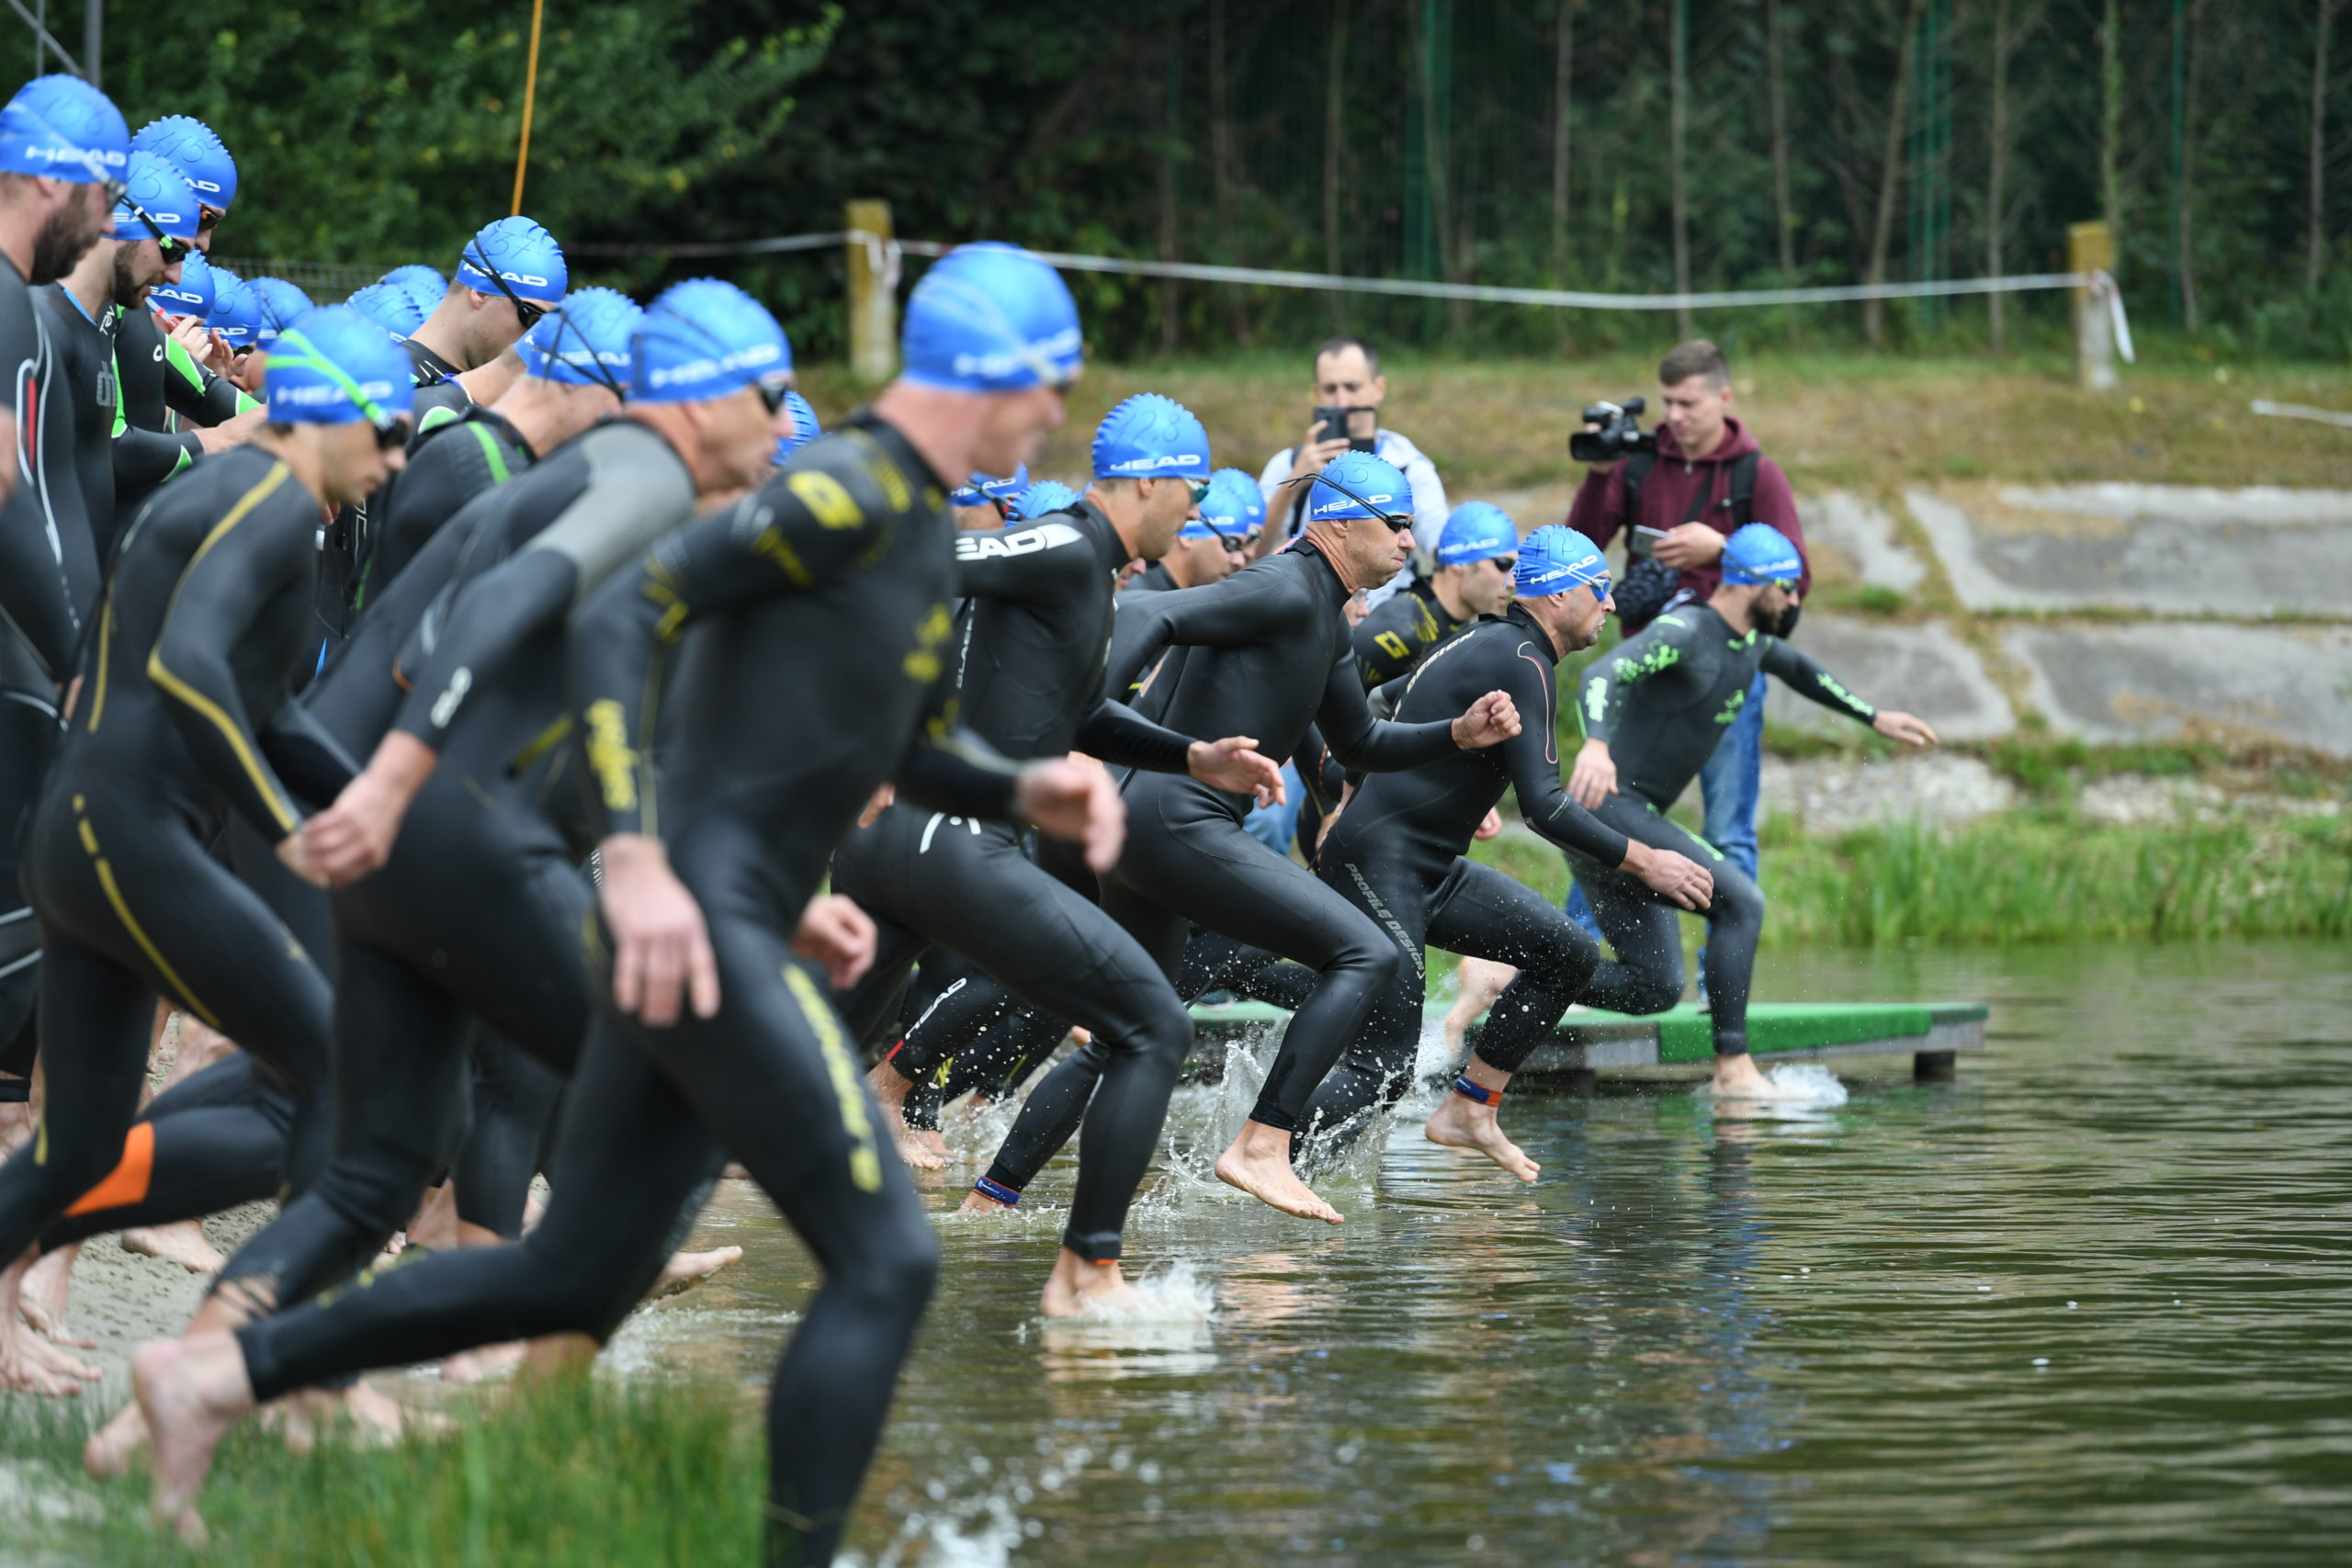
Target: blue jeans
x,y
1276,826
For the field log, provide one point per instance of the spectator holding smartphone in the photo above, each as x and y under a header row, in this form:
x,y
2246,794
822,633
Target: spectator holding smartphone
x,y
1347,384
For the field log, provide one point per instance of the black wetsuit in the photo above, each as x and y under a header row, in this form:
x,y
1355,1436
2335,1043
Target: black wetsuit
x,y
1398,853
1266,654
85,354
455,458
815,677
1400,628
159,379
180,719
477,914
1033,641
48,589
1661,700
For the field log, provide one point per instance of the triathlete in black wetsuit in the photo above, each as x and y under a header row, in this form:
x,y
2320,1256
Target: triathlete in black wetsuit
x,y
1266,653
842,562
1396,854
1653,711
1029,661
476,912
176,722
1468,584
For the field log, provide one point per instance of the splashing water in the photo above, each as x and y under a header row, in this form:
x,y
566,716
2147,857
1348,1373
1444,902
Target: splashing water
x,y
1173,1294
1809,1086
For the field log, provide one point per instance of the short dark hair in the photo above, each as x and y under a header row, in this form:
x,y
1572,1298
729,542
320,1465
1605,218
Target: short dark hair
x,y
1343,343
1697,357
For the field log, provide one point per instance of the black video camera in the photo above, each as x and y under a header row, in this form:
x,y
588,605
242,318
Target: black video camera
x,y
1620,433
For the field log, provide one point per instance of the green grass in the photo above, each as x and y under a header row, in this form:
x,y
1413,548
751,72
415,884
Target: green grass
x,y
2035,877
577,1474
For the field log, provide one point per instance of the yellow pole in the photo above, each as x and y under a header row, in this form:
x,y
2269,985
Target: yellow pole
x,y
530,92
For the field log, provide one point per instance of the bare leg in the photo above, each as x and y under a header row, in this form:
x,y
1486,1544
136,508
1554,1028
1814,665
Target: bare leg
x,y
191,1391
47,1292
1257,1162
29,1363
1738,1078
1462,1122
1076,1285
435,1223
889,1087
1480,981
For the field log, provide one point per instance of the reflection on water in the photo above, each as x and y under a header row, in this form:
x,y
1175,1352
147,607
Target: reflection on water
x,y
2086,1304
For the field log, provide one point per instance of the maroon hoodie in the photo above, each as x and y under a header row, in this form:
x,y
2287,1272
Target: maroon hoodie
x,y
1598,510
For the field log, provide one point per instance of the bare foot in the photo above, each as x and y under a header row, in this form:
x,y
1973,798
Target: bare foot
x,y
436,1225
890,1087
1460,1123
1738,1078
1076,1287
687,1270
932,1142
184,1243
48,1287
481,1365
112,1446
192,1391
1257,1162
29,1363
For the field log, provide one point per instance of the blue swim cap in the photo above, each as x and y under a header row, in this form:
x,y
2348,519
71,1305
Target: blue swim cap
x,y
1045,495
981,489
195,152
1554,559
61,126
703,339
1761,553
990,318
1234,509
806,427
333,366
394,310
1151,437
279,303
236,310
192,296
1478,530
525,257
421,283
586,343
1357,484
153,186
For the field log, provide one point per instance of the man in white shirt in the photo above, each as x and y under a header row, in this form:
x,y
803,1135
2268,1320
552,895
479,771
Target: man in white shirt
x,y
1347,375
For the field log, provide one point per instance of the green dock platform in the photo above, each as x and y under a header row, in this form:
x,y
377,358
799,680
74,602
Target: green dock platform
x,y
1932,1034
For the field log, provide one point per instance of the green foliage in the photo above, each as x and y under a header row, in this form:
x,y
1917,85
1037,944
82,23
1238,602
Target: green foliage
x,y
387,133
576,1473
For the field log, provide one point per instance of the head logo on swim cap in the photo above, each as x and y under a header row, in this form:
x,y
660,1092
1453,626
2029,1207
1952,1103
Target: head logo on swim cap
x,y
394,310
191,296
521,255
236,310
586,343
420,282
1045,495
1761,553
333,366
982,489
1357,484
990,318
153,193
1151,437
63,127
279,302
1554,559
806,427
703,339
1478,530
1234,510
199,156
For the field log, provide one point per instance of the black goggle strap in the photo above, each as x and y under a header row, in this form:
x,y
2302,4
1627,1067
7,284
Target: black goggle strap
x,y
472,254
1397,522
596,366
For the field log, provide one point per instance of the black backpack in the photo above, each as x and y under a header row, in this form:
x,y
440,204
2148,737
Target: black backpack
x,y
1650,584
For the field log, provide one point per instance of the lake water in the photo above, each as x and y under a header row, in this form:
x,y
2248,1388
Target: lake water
x,y
2090,1303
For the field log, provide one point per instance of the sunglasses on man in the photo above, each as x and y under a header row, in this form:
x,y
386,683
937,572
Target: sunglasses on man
x,y
175,251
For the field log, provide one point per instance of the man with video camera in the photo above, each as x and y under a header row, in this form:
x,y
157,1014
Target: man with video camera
x,y
1677,492
1349,388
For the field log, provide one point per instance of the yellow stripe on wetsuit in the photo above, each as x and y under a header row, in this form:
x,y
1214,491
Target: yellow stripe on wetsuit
x,y
265,786
129,922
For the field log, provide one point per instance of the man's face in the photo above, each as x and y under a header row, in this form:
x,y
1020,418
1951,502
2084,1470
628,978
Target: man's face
x,y
1374,554
1695,412
1573,618
208,218
1197,563
1773,604
1344,380
76,219
1167,504
354,463
137,268
493,327
1009,427
1485,586
737,437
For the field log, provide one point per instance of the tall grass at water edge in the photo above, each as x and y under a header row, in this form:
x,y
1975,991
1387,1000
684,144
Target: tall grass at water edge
x,y
576,1473
2033,877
